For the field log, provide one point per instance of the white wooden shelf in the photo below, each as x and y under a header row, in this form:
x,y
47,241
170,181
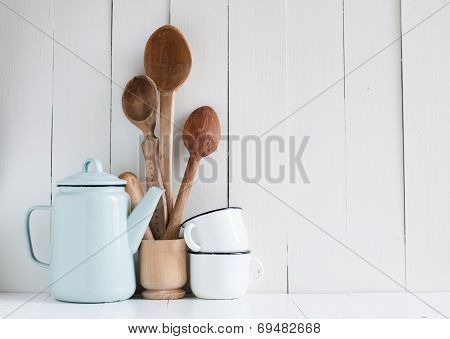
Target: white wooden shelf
x,y
361,305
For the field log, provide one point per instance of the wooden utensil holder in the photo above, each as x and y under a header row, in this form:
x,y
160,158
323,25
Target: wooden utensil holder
x,y
163,269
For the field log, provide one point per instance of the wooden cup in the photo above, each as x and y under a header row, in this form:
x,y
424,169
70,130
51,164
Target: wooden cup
x,y
163,269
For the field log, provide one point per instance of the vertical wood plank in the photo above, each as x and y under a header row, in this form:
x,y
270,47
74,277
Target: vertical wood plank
x,y
426,85
257,102
133,23
205,26
347,182
82,85
315,66
26,57
374,144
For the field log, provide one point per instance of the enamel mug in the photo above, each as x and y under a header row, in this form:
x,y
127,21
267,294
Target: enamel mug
x,y
218,231
223,276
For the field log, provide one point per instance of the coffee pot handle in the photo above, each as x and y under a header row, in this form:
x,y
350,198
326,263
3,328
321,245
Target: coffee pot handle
x,y
28,234
188,238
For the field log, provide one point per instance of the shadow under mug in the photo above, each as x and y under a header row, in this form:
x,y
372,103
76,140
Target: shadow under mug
x,y
223,276
217,231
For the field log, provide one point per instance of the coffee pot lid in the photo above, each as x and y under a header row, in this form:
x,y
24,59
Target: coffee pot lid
x,y
95,178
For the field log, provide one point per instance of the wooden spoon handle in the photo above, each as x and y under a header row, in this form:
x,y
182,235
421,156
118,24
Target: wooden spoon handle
x,y
135,192
150,148
173,229
166,137
148,235
132,188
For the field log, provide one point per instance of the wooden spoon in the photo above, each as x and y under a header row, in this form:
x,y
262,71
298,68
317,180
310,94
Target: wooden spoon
x,y
167,60
135,192
201,135
132,188
140,103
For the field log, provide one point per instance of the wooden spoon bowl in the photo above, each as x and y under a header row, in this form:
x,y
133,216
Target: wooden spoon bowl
x,y
140,102
167,58
201,132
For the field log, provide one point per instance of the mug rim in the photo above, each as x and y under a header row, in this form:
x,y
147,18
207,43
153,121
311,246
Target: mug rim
x,y
220,253
208,212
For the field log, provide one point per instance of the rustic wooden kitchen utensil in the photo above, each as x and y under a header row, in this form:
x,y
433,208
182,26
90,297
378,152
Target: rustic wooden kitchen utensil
x,y
167,60
140,103
201,136
163,269
132,188
135,192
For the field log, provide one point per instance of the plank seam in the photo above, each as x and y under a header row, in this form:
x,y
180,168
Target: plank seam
x,y
286,84
403,145
228,103
111,85
52,109
345,132
170,12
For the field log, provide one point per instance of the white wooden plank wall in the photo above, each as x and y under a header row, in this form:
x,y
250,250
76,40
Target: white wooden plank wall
x,y
82,85
256,62
314,62
374,148
25,137
257,102
205,26
426,85
133,23
353,125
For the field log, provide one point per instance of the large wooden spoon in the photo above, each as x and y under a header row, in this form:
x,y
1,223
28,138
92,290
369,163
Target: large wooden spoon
x,y
201,135
140,103
167,60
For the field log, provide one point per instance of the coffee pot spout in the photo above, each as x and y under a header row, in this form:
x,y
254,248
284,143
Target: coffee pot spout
x,y
139,219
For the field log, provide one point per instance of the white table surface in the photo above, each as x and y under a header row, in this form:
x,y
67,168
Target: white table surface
x,y
359,305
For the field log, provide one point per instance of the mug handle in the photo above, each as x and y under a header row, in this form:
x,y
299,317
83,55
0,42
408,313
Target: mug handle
x,y
256,270
188,238
28,234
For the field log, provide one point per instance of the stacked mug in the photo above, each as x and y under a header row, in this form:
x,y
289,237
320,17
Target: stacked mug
x,y
221,264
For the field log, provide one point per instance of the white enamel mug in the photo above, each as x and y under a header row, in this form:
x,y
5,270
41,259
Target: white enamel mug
x,y
218,231
223,276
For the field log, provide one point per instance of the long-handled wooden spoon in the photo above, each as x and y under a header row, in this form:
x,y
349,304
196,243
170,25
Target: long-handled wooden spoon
x,y
167,60
201,135
135,192
140,103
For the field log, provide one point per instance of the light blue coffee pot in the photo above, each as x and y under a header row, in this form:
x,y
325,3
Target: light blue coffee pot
x,y
93,238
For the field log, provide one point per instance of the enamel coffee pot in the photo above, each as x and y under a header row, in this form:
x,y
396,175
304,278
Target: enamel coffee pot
x,y
93,238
